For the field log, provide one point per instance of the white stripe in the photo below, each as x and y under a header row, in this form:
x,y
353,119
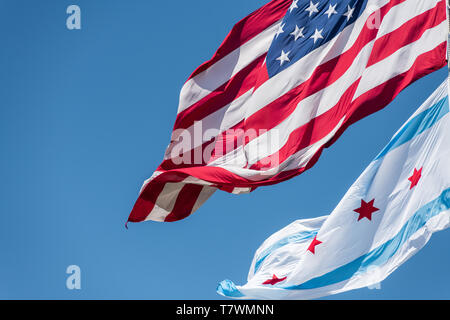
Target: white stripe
x,y
165,202
213,124
194,180
393,20
204,195
401,60
302,158
209,80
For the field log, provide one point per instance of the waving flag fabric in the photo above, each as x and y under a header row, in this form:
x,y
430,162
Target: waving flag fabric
x,y
285,83
388,214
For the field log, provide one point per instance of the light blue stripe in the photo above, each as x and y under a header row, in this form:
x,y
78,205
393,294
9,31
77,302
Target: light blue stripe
x,y
383,253
228,289
417,125
295,238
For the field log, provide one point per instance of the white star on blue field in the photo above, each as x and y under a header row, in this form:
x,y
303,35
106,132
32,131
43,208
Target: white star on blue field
x,y
307,26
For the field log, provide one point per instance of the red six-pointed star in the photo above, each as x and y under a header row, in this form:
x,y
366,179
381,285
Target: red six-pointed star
x,y
415,178
274,280
312,246
366,210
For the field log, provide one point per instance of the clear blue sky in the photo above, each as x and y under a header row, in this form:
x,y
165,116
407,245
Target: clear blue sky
x,y
85,118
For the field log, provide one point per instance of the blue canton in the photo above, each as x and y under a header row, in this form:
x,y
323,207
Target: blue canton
x,y
308,24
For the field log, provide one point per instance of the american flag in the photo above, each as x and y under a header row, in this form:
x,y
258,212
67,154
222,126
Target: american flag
x,y
285,84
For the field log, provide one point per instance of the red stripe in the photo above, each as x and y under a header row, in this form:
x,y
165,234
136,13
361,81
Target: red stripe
x,y
322,77
185,202
310,133
262,77
391,42
242,82
247,29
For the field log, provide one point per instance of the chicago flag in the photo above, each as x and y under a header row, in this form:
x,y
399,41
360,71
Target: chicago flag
x,y
386,216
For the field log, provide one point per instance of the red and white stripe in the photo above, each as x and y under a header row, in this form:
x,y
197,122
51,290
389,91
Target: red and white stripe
x,y
309,104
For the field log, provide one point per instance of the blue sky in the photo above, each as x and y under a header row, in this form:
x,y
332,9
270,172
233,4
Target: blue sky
x,y
86,116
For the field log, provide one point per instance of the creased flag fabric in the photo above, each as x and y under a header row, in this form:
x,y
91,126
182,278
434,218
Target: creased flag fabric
x,y
386,216
286,82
